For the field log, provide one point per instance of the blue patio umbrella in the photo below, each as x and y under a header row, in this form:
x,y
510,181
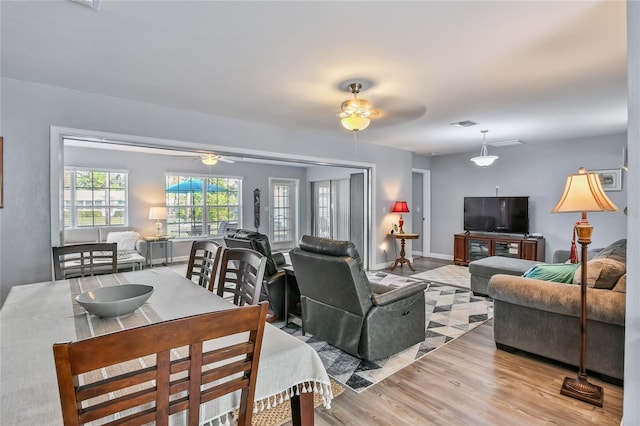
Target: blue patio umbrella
x,y
192,185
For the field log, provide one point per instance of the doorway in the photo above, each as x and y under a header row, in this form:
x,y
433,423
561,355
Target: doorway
x,y
421,212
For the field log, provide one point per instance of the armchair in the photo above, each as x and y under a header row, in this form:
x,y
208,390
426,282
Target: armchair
x,y
274,283
339,304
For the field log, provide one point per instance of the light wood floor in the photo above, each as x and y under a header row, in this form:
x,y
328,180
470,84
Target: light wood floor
x,y
470,382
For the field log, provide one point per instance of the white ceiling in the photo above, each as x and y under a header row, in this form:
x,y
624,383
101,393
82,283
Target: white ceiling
x,y
537,71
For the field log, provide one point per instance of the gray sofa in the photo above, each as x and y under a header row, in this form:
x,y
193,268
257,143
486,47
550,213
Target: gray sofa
x,y
339,304
135,258
543,317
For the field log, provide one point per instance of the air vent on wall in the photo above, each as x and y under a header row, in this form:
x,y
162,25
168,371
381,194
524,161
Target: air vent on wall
x,y
465,123
506,143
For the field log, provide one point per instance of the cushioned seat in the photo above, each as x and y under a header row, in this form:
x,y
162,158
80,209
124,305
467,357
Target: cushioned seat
x,y
131,252
339,304
482,270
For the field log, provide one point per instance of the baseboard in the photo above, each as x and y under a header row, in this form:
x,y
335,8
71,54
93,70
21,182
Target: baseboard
x,y
440,256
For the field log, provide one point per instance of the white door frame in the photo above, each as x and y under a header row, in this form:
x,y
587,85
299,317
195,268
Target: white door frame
x,y
426,210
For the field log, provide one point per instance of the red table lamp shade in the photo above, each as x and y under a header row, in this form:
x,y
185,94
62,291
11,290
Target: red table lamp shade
x,y
400,207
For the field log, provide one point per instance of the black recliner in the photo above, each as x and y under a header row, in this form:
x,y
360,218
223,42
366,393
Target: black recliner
x,y
273,285
339,305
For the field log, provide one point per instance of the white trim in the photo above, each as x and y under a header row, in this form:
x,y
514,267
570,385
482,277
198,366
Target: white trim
x,y
441,256
57,163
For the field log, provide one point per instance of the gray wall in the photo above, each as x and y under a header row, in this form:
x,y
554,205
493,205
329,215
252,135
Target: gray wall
x,y
29,110
538,171
147,183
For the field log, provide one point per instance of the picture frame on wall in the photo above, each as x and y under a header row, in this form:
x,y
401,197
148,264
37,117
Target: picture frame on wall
x,y
611,179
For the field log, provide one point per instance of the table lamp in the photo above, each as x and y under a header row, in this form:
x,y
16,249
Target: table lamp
x,y
158,214
400,207
583,193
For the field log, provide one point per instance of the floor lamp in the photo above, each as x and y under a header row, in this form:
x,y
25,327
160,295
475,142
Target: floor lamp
x,y
583,193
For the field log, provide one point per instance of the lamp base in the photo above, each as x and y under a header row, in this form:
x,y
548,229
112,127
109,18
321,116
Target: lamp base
x,y
158,229
581,389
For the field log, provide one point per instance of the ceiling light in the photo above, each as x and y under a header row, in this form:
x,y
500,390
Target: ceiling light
x,y
484,159
355,112
209,159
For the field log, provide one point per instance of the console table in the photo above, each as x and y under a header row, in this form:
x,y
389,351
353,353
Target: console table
x,y
468,247
402,260
163,241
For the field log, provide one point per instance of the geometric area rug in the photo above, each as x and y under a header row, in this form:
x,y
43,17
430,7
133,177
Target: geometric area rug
x,y
450,312
457,276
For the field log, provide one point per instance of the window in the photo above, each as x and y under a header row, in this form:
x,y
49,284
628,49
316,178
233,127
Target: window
x,y
202,205
94,197
284,195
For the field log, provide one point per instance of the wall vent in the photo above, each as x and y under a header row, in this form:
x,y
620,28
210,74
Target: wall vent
x,y
506,143
465,123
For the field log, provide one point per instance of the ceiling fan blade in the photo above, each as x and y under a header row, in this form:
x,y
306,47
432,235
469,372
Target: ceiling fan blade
x,y
226,160
393,110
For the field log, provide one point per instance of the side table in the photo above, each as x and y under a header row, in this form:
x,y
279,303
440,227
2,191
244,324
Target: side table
x,y
401,260
167,244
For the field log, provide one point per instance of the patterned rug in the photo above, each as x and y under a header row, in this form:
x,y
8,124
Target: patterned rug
x,y
457,276
450,313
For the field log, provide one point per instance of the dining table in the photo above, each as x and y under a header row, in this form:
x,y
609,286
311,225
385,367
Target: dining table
x,y
35,316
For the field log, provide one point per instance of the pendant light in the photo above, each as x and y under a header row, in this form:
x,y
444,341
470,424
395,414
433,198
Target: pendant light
x,y
484,159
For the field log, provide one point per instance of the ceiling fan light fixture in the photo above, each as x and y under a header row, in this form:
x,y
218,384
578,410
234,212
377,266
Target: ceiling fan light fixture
x,y
355,112
355,122
209,159
484,159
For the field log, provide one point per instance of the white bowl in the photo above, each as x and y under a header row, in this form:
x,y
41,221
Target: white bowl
x,y
113,301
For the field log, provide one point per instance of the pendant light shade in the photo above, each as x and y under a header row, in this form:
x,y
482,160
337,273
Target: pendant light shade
x,y
484,159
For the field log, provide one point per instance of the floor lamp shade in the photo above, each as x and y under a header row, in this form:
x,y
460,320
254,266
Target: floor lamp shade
x,y
583,193
400,207
158,214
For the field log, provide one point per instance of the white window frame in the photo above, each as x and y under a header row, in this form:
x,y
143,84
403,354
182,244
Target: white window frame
x,y
73,204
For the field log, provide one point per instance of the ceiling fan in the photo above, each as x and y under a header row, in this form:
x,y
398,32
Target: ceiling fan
x,y
211,159
357,113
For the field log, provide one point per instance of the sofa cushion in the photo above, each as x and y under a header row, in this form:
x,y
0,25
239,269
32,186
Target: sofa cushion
x,y
601,273
621,285
80,235
616,250
556,272
126,242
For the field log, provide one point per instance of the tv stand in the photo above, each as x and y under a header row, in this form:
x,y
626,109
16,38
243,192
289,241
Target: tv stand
x,y
468,247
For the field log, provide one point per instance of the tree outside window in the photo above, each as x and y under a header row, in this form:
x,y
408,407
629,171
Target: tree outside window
x,y
202,205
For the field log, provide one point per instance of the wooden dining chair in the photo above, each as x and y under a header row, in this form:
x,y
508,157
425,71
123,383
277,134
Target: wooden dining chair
x,y
203,263
241,274
106,378
81,260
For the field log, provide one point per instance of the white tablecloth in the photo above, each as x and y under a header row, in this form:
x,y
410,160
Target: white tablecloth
x,y
35,316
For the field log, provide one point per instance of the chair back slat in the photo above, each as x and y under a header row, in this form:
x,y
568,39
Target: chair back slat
x,y
203,263
82,260
152,393
241,275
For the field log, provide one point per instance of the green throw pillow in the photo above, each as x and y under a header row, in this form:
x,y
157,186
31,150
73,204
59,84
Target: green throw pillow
x,y
556,272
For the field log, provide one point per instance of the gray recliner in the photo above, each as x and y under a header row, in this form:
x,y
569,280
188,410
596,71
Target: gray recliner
x,y
339,304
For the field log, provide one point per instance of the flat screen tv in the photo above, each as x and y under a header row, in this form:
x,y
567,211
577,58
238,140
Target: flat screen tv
x,y
497,214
